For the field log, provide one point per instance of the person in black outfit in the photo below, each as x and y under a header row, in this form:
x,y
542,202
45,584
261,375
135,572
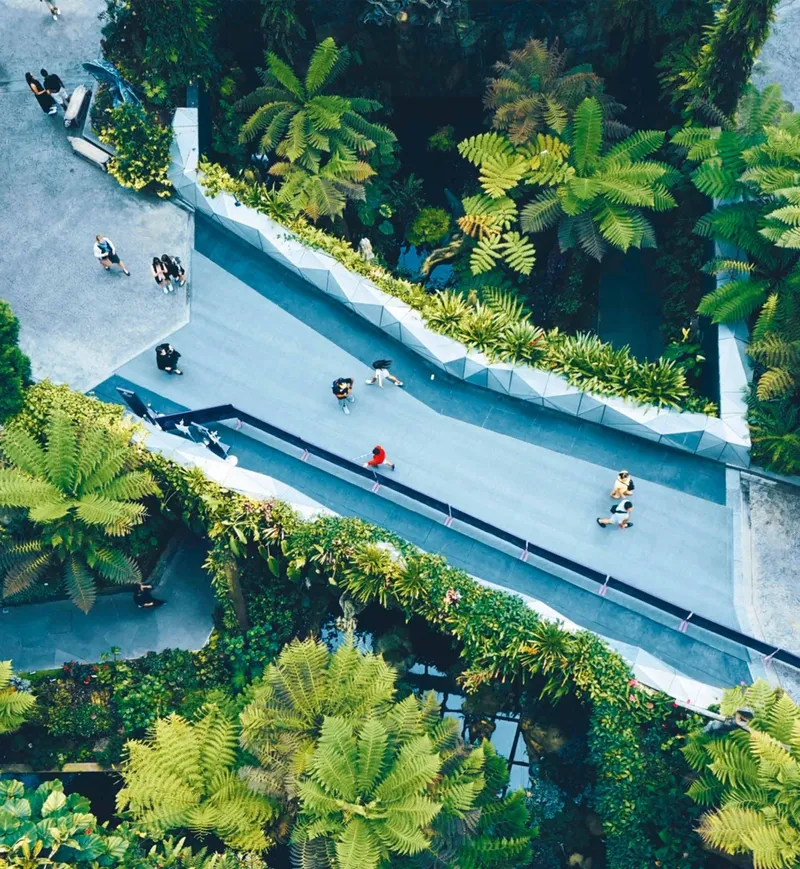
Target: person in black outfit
x,y
173,267
143,598
46,103
55,87
167,358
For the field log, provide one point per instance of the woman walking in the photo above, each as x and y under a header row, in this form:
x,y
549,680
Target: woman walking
x,y
167,359
623,485
174,269
160,275
46,102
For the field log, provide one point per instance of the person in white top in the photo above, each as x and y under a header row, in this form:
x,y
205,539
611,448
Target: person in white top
x,y
620,516
107,255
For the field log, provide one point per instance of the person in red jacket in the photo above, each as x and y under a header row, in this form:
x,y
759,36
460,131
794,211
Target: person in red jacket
x,y
378,458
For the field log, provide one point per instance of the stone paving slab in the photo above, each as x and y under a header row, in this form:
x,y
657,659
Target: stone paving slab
x,y
78,322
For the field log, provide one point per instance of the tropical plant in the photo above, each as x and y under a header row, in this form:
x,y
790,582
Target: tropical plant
x,y
430,226
444,139
747,777
730,46
15,705
601,200
305,684
775,434
719,149
184,775
15,367
78,490
324,146
535,93
162,46
141,158
366,793
48,829
282,27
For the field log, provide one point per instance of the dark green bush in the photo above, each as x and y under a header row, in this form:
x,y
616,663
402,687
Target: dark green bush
x,y
15,367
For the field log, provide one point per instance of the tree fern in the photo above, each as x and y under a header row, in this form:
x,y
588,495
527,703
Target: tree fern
x,y
79,489
750,779
182,776
15,705
315,135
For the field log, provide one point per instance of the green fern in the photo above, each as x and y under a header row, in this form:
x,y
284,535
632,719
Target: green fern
x,y
15,705
80,489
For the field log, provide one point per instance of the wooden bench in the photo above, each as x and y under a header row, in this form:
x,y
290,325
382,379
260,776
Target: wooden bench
x,y
90,152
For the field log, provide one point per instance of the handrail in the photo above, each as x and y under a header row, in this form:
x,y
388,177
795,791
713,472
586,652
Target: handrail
x,y
223,412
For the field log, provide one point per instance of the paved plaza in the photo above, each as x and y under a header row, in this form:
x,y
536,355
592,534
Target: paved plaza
x,y
78,323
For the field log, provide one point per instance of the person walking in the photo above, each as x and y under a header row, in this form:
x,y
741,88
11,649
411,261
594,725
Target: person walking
x,y
620,516
174,269
46,103
144,599
378,458
623,485
107,255
381,368
55,87
53,9
160,275
167,359
342,388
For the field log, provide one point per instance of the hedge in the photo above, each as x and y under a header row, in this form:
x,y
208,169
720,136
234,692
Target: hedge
x,y
638,776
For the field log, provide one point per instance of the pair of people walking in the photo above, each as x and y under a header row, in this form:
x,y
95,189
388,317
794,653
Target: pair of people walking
x,y
342,387
620,514
168,272
49,95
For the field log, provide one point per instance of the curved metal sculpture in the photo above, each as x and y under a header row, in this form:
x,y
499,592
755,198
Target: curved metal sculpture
x,y
106,74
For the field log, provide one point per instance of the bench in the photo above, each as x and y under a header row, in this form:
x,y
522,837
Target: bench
x,y
90,152
76,105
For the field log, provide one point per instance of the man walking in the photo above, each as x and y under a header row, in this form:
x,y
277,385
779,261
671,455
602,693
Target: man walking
x,y
378,458
620,516
55,87
342,388
381,368
106,254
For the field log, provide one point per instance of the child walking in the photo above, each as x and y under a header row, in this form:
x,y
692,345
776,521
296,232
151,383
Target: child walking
x,y
378,458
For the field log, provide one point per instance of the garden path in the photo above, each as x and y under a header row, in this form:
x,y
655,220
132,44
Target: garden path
x,y
78,322
42,636
274,352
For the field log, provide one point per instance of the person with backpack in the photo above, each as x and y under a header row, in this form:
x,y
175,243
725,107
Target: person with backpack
x,y
106,253
342,389
620,516
379,458
174,269
381,368
623,485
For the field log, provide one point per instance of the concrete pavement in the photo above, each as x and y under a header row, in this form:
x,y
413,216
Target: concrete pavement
x,y
78,322
42,636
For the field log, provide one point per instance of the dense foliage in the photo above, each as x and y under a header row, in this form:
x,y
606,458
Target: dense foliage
x,y
77,491
141,160
15,367
16,701
161,45
748,774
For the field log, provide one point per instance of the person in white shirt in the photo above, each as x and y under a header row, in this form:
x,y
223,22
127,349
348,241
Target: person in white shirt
x,y
620,516
106,254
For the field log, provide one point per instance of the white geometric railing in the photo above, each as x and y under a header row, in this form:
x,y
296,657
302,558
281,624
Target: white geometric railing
x,y
725,440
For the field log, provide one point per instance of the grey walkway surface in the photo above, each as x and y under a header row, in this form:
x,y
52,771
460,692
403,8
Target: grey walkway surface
x,y
779,60
483,454
697,654
78,322
43,636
